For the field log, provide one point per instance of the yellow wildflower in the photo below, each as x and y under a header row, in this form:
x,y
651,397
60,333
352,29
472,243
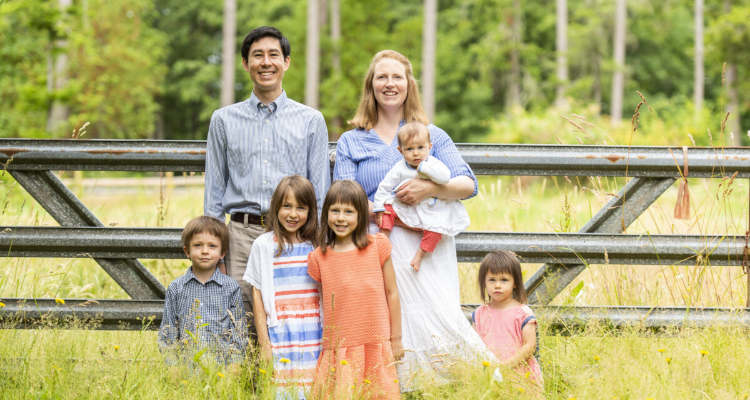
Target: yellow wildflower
x,y
522,390
597,358
668,360
116,347
333,369
59,301
285,360
704,352
261,370
344,362
395,380
486,363
528,373
661,350
367,381
591,380
220,374
2,304
184,382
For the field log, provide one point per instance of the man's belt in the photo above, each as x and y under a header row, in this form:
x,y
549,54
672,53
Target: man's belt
x,y
251,219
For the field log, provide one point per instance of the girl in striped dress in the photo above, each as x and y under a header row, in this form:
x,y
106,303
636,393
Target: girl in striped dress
x,y
286,300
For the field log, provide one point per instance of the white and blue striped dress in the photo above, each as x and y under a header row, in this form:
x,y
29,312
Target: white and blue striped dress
x,y
296,340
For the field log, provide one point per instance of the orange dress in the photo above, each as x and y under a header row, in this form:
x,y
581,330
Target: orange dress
x,y
357,358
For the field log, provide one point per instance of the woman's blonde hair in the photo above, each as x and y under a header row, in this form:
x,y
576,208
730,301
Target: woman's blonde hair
x,y
367,111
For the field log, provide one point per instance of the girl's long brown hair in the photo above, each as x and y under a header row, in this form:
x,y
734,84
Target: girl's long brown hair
x,y
502,262
367,111
345,192
302,190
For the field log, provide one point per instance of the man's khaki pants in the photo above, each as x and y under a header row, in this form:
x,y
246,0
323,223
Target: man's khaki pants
x,y
241,238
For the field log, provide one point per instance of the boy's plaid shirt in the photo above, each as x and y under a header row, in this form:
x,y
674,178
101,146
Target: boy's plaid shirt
x,y
200,316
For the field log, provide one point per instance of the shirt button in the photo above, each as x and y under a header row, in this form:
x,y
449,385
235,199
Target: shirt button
x,y
265,161
266,140
266,121
264,182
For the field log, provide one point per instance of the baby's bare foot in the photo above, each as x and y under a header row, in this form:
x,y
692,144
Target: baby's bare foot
x,y
417,260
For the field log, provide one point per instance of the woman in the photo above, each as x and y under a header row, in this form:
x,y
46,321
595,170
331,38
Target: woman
x,y
435,331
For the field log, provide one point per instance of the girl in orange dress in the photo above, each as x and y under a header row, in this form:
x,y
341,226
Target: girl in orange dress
x,y
361,307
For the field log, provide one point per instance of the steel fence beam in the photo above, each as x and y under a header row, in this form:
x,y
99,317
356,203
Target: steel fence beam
x,y
67,210
103,155
565,248
140,314
619,212
567,317
81,314
485,159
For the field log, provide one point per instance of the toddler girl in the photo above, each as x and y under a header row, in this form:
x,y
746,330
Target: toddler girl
x,y
432,215
362,331
505,323
286,300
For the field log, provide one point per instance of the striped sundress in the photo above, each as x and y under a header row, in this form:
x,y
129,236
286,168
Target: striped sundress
x,y
296,340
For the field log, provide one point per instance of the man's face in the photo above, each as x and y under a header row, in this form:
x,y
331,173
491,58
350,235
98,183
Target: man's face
x,y
266,65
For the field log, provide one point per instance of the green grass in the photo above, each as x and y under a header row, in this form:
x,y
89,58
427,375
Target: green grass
x,y
54,363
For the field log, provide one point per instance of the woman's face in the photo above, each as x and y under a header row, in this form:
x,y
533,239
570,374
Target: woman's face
x,y
389,83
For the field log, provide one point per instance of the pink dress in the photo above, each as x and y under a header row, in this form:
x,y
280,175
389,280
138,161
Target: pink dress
x,y
501,332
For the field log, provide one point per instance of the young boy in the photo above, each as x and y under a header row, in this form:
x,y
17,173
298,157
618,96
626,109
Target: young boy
x,y
203,308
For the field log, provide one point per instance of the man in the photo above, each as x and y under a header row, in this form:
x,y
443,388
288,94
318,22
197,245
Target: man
x,y
255,143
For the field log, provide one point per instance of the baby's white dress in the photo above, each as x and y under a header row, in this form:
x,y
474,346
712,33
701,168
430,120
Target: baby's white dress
x,y
447,217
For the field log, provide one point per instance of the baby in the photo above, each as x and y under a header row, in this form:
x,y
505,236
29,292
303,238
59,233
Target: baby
x,y
435,217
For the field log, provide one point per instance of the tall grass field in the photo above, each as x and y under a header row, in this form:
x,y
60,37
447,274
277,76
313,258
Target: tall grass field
x,y
596,362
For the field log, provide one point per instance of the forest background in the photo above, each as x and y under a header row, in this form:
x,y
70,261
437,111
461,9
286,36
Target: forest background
x,y
142,69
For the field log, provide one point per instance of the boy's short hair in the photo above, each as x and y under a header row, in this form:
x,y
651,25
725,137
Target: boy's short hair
x,y
409,131
206,224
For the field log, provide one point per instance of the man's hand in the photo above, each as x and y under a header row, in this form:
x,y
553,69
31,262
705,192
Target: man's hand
x,y
416,190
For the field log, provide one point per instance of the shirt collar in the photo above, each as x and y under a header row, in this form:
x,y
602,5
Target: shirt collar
x,y
214,277
277,104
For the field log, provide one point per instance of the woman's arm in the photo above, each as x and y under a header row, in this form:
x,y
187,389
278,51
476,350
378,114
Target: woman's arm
x,y
394,306
416,190
528,334
261,326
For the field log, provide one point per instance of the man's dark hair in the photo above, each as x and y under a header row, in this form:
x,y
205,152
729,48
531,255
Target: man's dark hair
x,y
262,32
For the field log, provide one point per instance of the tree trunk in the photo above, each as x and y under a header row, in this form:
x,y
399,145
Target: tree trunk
x,y
57,78
312,69
227,52
429,46
619,58
336,62
515,57
562,51
730,82
699,72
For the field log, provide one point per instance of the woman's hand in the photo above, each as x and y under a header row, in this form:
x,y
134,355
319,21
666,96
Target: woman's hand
x,y
416,190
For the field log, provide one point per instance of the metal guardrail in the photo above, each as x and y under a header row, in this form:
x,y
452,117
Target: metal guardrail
x,y
485,159
147,314
653,170
566,248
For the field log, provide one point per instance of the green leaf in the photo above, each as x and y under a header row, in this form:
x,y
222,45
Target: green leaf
x,y
576,290
198,355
